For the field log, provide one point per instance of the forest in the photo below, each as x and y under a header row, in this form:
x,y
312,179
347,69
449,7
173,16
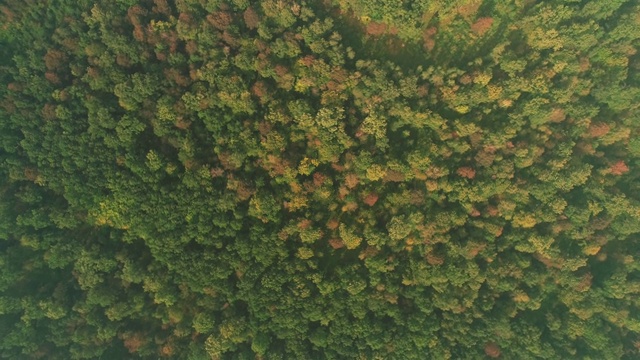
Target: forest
x,y
320,179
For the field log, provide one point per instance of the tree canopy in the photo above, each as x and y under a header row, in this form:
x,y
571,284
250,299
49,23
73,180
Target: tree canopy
x,y
346,179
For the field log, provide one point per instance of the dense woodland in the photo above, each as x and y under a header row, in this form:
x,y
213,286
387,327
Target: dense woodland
x,y
338,179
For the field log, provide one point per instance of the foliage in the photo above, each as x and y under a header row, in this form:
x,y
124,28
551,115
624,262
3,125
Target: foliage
x,y
292,179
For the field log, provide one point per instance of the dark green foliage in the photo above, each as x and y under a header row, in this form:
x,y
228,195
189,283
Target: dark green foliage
x,y
301,180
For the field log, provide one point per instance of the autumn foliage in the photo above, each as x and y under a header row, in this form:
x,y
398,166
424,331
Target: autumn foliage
x,y
492,350
619,168
482,25
466,172
337,179
371,199
376,29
